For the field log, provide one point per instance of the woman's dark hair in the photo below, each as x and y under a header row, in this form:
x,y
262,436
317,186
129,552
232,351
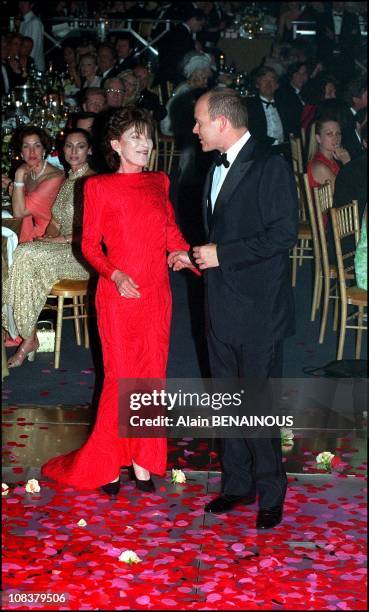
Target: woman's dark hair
x,y
120,121
28,130
84,133
314,90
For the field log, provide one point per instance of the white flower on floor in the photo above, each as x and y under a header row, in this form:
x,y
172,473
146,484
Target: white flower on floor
x,y
129,556
82,523
4,489
178,477
287,436
32,486
324,460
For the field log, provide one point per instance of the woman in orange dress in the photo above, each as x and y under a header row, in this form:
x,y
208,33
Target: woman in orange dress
x,y
36,183
131,213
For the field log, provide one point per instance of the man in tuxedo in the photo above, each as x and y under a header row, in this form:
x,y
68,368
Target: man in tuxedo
x,y
267,118
289,96
251,219
106,62
175,44
125,54
148,99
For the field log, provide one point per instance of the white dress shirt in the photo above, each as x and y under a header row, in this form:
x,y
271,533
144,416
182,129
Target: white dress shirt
x,y
33,27
220,172
337,21
274,123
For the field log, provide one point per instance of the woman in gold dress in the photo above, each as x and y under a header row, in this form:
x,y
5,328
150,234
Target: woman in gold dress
x,y
38,265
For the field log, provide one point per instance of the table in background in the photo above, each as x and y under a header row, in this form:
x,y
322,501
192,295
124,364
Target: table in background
x,y
246,53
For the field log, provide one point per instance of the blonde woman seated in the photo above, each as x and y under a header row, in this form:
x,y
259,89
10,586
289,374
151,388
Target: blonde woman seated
x,y
37,266
88,71
131,86
36,182
197,71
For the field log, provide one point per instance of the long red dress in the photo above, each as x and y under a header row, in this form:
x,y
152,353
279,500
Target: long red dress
x,y
134,217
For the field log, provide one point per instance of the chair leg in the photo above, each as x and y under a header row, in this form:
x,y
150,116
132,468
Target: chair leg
x,y
319,298
58,333
335,316
302,249
359,335
294,265
85,322
314,306
77,328
323,324
171,154
341,341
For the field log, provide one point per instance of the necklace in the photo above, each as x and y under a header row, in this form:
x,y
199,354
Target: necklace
x,y
35,176
79,172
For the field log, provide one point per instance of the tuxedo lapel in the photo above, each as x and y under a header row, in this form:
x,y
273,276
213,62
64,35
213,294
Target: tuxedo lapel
x,y
206,214
237,171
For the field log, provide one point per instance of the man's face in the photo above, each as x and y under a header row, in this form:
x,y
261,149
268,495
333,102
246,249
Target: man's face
x,y
143,76
94,104
115,93
26,48
300,77
208,130
105,59
267,85
25,7
122,48
195,24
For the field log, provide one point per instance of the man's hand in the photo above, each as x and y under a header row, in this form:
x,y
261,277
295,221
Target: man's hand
x,y
206,256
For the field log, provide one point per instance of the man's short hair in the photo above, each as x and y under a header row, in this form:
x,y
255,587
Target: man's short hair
x,y
227,103
293,68
125,36
354,89
263,71
92,91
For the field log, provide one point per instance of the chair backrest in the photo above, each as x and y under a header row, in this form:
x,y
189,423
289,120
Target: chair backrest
x,y
152,160
312,217
345,222
303,138
323,198
313,145
296,154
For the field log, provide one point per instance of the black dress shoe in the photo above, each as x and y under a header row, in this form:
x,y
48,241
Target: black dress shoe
x,y
147,486
112,488
223,503
269,518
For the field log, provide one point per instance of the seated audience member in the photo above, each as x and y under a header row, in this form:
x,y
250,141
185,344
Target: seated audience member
x,y
124,48
267,118
114,92
83,121
291,13
148,99
351,184
10,49
88,71
290,98
174,45
361,255
36,182
131,87
106,62
197,72
26,62
37,266
356,98
322,87
330,155
93,100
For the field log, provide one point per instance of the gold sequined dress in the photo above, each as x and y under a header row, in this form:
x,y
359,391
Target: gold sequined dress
x,y
37,266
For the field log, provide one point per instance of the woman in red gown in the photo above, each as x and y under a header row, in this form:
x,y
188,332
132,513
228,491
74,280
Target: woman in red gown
x,y
131,213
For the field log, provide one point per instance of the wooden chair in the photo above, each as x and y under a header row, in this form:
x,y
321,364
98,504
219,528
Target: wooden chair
x,y
323,198
303,248
316,246
345,222
77,291
166,151
313,145
152,160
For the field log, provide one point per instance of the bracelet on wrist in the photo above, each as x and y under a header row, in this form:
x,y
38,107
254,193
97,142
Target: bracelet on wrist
x,y
18,184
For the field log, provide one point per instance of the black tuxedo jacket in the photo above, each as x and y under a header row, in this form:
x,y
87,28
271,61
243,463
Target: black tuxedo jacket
x,y
127,64
257,122
291,109
172,49
349,40
254,224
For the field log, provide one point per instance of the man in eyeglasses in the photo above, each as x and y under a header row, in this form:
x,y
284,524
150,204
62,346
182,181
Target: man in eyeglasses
x,y
114,92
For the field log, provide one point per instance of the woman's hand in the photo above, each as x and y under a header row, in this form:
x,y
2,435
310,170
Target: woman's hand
x,y
341,155
125,284
21,173
178,260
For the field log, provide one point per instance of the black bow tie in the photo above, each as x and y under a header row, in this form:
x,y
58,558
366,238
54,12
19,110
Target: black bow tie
x,y
222,159
267,104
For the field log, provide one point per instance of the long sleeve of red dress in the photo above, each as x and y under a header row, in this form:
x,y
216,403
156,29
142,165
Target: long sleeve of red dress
x,y
132,215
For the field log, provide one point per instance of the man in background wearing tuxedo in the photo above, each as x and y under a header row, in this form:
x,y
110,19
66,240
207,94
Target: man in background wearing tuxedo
x,y
251,218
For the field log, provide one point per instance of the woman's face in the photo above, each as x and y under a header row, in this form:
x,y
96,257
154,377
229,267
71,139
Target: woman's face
x,y
69,56
330,136
134,148
329,91
32,150
130,83
200,78
76,150
87,67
